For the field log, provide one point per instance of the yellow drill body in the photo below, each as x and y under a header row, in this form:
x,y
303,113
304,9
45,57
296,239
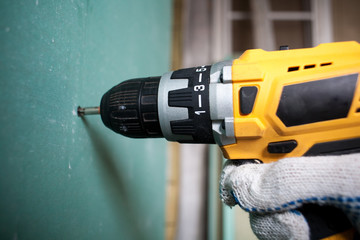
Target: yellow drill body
x,y
273,72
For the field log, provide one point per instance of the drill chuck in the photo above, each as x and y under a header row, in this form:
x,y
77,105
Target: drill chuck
x,y
176,106
131,108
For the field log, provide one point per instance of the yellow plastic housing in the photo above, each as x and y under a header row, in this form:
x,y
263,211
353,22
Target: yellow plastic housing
x,y
270,72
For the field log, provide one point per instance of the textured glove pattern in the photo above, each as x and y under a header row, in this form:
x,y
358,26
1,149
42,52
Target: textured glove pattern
x,y
272,192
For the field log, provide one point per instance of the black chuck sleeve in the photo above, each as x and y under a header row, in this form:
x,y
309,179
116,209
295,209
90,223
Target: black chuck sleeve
x,y
131,109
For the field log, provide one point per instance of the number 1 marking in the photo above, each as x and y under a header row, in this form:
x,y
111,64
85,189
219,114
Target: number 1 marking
x,y
199,112
199,98
200,77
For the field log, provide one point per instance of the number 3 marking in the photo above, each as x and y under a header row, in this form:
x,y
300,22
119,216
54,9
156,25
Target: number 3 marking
x,y
199,88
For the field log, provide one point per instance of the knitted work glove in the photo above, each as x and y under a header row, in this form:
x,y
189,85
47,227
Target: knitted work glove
x,y
272,192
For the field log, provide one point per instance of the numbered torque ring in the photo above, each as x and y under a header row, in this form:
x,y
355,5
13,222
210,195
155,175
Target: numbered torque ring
x,y
194,97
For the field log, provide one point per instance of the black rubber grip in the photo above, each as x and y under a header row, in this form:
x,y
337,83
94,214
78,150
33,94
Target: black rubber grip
x,y
317,101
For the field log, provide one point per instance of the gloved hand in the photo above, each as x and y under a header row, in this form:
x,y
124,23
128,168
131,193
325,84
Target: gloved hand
x,y
272,192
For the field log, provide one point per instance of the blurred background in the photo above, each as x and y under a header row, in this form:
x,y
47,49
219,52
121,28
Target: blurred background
x,y
62,177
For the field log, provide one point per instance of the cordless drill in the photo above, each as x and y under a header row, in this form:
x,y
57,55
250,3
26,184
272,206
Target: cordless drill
x,y
263,105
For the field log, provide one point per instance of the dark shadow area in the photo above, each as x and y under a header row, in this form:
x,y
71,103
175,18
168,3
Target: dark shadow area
x,y
113,179
325,221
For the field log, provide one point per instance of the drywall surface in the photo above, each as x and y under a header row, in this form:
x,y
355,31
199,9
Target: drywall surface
x,y
62,177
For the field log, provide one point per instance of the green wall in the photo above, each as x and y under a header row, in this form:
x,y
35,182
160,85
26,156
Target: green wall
x,y
62,177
